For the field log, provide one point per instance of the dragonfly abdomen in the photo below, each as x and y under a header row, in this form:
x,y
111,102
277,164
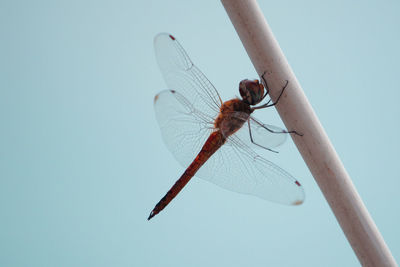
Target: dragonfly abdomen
x,y
213,143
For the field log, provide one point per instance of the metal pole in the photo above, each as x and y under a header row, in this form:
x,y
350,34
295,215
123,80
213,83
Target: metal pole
x,y
314,146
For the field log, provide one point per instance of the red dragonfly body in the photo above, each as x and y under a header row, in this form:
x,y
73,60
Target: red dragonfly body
x,y
193,111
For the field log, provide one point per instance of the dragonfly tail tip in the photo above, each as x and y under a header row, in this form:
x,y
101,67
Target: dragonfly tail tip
x,y
151,215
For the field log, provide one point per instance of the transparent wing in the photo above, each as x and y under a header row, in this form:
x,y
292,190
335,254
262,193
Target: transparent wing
x,y
234,166
181,75
184,129
264,135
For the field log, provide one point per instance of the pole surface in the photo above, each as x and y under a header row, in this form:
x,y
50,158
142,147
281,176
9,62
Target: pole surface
x,y
314,146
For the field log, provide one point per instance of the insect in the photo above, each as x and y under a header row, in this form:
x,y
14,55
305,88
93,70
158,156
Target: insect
x,y
213,139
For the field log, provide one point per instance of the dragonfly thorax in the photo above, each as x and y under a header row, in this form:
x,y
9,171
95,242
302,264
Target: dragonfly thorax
x,y
233,114
252,91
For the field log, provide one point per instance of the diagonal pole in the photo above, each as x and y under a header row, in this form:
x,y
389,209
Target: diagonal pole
x,y
314,146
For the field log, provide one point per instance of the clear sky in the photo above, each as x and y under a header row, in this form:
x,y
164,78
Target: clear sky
x,y
82,162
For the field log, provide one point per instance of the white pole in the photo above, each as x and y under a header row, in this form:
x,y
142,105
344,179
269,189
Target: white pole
x,y
314,146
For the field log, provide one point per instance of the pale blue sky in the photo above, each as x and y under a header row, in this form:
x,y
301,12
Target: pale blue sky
x,y
82,162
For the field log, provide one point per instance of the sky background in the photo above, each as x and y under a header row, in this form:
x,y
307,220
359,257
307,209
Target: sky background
x,y
82,162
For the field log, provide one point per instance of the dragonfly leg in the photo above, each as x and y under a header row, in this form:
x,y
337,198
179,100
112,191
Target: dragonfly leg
x,y
265,86
267,105
251,139
276,132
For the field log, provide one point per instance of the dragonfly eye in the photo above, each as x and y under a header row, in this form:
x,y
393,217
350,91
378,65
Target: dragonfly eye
x,y
251,91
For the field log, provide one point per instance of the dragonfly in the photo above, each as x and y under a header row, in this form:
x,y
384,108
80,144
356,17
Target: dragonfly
x,y
215,140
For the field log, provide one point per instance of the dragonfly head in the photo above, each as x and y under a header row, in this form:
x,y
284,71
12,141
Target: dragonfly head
x,y
252,91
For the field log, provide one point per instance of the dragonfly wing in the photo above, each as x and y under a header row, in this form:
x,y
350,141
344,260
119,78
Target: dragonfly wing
x,y
184,129
181,75
264,135
236,167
